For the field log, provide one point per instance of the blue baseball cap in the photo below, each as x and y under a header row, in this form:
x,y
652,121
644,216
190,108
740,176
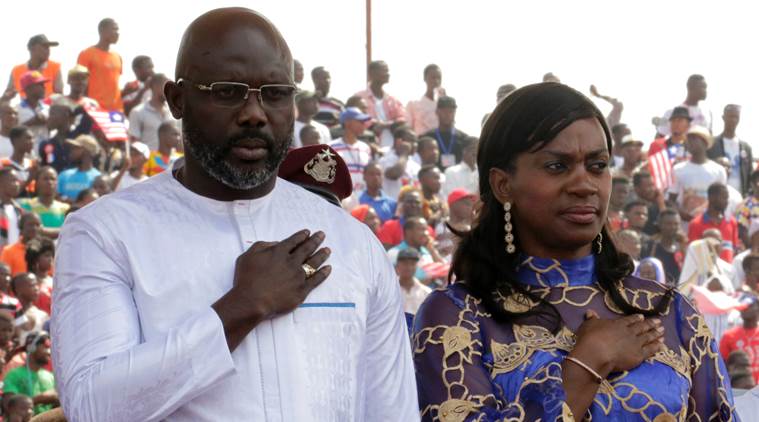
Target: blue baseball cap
x,y
353,113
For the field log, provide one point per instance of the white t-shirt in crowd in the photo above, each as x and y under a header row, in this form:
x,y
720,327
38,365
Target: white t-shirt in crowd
x,y
696,178
324,135
6,148
356,157
733,153
413,298
144,121
127,180
391,187
460,176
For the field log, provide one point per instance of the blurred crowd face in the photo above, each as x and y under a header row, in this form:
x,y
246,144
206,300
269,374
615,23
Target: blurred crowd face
x,y
679,126
429,152
322,81
637,216
434,78
431,180
6,332
8,116
406,268
373,177
417,236
669,225
411,204
144,70
47,182
39,52
619,195
372,220
10,185
648,271
78,83
646,189
463,209
380,74
446,116
27,289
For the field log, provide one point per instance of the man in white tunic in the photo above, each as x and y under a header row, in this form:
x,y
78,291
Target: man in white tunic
x,y
217,292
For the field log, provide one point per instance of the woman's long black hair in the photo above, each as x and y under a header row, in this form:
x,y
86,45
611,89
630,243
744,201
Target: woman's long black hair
x,y
525,121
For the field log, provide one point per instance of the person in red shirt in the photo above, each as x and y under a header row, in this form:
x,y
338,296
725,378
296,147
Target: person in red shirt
x,y
746,336
714,218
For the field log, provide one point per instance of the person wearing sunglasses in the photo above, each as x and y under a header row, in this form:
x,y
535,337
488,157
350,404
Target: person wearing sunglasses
x,y
216,291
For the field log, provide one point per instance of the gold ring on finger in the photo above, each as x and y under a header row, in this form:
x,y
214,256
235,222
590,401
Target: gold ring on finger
x,y
309,270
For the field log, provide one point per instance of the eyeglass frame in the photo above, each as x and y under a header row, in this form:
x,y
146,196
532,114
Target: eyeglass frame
x,y
209,88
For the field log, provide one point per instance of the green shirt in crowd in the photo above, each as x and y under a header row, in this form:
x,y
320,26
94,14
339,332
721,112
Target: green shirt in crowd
x,y
52,217
21,380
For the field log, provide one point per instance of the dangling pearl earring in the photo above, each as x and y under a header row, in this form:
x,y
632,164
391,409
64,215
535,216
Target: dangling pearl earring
x,y
599,240
507,227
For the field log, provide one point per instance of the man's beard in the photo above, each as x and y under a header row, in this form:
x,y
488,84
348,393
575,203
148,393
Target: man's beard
x,y
213,158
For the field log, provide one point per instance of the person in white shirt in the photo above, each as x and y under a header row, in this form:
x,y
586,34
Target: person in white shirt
x,y
693,177
414,292
464,174
146,118
734,149
696,86
398,163
421,114
32,111
308,106
218,292
354,152
8,120
139,154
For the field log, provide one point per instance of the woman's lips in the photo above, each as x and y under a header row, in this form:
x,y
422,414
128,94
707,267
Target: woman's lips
x,y
580,214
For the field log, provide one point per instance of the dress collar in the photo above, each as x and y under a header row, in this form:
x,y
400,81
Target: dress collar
x,y
548,272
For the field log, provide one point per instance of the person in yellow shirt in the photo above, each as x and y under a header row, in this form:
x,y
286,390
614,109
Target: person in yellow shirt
x,y
161,160
105,67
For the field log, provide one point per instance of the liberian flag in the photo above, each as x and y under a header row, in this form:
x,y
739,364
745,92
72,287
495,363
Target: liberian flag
x,y
660,167
112,123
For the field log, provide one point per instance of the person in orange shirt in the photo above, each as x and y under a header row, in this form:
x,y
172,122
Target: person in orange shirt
x,y
104,67
39,54
14,255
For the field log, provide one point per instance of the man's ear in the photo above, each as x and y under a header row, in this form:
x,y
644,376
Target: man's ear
x,y
174,98
500,184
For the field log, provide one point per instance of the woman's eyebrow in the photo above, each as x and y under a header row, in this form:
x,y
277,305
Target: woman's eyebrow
x,y
564,155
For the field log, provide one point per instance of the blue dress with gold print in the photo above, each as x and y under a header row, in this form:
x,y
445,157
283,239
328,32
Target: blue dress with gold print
x,y
471,368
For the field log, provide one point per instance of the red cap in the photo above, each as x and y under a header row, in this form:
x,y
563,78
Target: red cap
x,y
318,167
459,194
32,77
359,213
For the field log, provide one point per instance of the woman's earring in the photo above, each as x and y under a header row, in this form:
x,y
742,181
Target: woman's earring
x,y
599,243
507,227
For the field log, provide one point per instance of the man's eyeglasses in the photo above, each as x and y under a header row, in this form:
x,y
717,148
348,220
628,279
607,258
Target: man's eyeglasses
x,y
235,94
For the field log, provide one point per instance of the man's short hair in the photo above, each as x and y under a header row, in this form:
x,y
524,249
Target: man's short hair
x,y
635,203
692,79
748,261
372,163
424,141
429,68
316,70
16,279
166,126
374,65
734,107
639,176
429,168
139,61
17,132
469,141
620,180
715,188
307,128
26,217
618,128
403,131
35,248
413,222
668,212
105,23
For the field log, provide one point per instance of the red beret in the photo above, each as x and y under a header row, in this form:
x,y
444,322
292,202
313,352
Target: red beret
x,y
317,166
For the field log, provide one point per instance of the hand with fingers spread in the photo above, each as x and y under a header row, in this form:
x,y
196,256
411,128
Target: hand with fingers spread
x,y
272,278
617,345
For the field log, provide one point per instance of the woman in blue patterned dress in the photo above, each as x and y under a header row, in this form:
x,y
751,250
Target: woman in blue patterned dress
x,y
545,321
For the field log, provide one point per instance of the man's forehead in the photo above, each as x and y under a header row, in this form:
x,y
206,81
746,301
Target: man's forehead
x,y
232,41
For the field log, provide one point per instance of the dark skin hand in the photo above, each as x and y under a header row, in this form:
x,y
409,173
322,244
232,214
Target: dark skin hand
x,y
627,341
270,281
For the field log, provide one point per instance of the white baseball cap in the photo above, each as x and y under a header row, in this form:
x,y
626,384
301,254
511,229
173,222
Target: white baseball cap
x,y
141,148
